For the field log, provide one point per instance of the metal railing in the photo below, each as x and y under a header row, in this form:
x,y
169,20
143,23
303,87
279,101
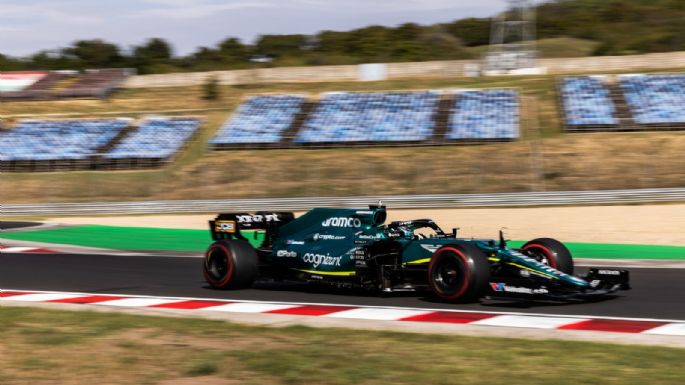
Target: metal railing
x,y
393,202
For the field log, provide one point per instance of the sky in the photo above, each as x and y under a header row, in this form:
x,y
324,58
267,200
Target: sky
x,y
27,26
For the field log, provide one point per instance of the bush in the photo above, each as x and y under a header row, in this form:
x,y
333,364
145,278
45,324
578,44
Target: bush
x,y
211,89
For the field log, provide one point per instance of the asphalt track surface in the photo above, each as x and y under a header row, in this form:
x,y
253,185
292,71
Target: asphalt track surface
x,y
657,293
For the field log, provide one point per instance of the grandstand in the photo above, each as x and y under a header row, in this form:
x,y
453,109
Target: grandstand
x,y
260,120
587,104
656,101
343,117
46,145
484,115
622,103
60,145
157,140
375,118
97,83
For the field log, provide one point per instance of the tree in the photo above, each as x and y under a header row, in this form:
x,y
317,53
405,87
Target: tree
x,y
233,51
280,45
153,57
94,53
155,50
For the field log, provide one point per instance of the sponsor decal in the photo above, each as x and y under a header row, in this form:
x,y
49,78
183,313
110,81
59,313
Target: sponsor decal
x,y
258,218
370,237
224,226
431,248
319,259
342,222
359,256
328,237
503,287
291,242
286,254
364,212
595,282
497,286
608,272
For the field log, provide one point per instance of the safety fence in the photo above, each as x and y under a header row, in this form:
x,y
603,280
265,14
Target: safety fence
x,y
394,202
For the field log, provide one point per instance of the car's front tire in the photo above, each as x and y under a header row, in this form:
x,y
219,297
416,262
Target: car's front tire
x,y
230,264
459,273
550,252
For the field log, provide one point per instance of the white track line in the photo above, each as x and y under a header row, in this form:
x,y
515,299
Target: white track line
x,y
137,302
40,297
527,321
248,307
674,329
376,314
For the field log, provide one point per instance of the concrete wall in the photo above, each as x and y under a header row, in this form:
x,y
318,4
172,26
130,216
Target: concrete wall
x,y
430,69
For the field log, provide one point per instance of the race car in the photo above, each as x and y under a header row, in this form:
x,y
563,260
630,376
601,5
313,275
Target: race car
x,y
355,248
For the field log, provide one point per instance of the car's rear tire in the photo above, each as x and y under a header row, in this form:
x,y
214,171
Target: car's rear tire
x,y
550,252
230,264
459,273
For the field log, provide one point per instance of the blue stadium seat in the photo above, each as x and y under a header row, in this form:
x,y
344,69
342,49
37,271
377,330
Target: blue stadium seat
x,y
371,117
156,138
655,99
587,102
485,114
58,140
262,119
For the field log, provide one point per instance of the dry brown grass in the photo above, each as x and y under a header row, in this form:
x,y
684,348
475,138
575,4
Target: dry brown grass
x,y
570,162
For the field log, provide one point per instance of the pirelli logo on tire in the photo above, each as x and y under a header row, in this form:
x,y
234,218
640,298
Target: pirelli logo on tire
x,y
225,227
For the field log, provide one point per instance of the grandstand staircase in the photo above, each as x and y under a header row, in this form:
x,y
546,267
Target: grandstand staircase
x,y
442,117
107,147
625,117
291,132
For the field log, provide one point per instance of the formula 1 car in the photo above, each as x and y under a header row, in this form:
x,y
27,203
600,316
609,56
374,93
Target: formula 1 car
x,y
354,248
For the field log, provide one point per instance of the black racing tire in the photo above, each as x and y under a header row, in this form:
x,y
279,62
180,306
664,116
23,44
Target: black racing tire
x,y
459,272
230,264
551,252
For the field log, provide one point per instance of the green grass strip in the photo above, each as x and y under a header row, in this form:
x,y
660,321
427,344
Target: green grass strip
x,y
620,251
121,238
150,239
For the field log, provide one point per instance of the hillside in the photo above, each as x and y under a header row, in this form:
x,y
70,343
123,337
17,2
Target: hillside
x,y
565,27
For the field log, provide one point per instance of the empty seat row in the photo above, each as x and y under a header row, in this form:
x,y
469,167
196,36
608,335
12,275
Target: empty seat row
x,y
43,140
262,119
371,117
655,99
587,102
485,114
58,140
156,138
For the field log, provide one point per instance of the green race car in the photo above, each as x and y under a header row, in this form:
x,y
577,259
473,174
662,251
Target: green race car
x,y
355,248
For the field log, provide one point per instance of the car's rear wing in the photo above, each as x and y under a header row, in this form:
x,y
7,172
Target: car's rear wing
x,y
229,226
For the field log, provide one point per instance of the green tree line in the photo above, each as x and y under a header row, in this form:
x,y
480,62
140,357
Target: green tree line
x,y
618,26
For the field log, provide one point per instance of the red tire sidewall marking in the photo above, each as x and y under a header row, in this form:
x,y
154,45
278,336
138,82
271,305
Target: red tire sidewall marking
x,y
467,273
551,258
229,259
